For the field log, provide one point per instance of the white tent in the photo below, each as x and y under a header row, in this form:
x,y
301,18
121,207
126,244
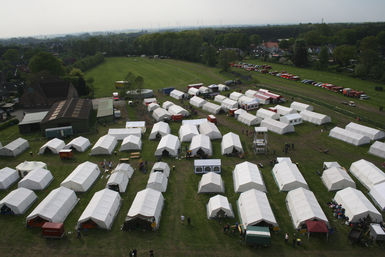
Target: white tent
x,y
246,176
122,133
178,110
197,101
8,176
235,96
263,113
211,182
349,136
168,146
204,90
377,232
303,206
377,193
17,201
14,148
161,114
367,173
337,178
254,209
248,103
301,106
288,177
328,165
248,118
152,106
378,149
201,146
25,167
54,145
131,143
157,181
293,119
263,99
161,167
250,93
283,110
193,91
219,98
186,132
222,87
104,146
211,108
284,159
231,143
80,144
219,207
277,126
54,208
159,130
314,117
177,94
119,177
146,207
37,179
148,101
228,104
356,205
82,177
211,130
167,105
136,124
101,210
373,134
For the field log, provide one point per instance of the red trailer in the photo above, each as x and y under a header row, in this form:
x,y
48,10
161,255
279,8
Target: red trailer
x,y
52,230
177,117
212,119
66,154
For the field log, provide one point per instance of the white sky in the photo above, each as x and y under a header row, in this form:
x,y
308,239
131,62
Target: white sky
x,y
45,17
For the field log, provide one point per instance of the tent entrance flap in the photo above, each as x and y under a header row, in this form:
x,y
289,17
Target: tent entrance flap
x,y
165,153
6,210
36,222
114,187
138,224
89,224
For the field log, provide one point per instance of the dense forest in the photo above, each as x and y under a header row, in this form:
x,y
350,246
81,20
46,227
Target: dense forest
x,y
355,49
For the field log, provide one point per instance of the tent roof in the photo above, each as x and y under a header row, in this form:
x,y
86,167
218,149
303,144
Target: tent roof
x,y
176,110
160,127
211,182
378,149
30,165
170,143
79,143
303,206
314,117
207,162
210,129
39,177
229,142
82,177
283,110
367,173
158,181
187,131
161,166
301,106
212,108
19,200
254,207
219,202
219,98
277,126
246,175
329,165
337,178
147,203
288,176
55,145
197,101
373,134
107,142
201,142
195,122
349,136
248,118
264,113
377,193
160,113
356,205
102,208
177,92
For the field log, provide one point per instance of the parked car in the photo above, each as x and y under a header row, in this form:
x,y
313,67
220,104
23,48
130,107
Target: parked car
x,y
364,97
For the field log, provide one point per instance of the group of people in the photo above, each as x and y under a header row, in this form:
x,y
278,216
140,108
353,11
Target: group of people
x,y
182,218
287,146
106,165
143,165
295,241
134,253
338,211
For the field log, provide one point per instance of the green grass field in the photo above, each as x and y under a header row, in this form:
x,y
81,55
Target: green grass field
x,y
204,237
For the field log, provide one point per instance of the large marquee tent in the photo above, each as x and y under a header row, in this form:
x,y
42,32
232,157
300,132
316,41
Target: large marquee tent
x,y
373,134
131,142
231,143
367,173
80,144
197,101
201,146
82,177
8,176
349,136
255,210
160,114
337,178
120,177
248,118
210,129
54,145
187,132
211,108
101,210
14,148
378,149
219,207
161,167
159,130
314,117
54,208
277,126
122,133
288,177
377,193
211,182
157,181
177,94
168,146
356,205
303,206
37,179
104,146
178,110
246,176
17,201
264,113
301,106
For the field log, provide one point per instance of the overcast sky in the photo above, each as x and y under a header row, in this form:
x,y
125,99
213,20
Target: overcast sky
x,y
46,17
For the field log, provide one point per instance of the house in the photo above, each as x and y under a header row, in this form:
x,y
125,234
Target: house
x,y
46,93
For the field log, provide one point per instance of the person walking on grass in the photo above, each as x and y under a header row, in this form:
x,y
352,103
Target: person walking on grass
x,y
189,221
286,238
182,219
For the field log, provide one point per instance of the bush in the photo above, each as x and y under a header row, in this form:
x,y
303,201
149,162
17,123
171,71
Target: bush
x,y
9,123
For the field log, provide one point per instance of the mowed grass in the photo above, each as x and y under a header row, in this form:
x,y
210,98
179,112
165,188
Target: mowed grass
x,y
204,237
377,98
157,73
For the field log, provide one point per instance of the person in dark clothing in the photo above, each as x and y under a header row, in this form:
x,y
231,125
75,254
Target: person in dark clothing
x,y
294,241
189,220
134,253
151,253
79,235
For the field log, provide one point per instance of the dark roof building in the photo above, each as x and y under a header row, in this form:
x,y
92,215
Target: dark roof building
x,y
73,112
46,93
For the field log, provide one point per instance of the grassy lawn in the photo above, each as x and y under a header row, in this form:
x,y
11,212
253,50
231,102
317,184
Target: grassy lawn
x,y
204,237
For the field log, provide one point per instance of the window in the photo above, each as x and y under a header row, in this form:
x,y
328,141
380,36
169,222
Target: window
x,y
207,169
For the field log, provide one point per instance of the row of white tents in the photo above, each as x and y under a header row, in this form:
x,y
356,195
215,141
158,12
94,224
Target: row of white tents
x,y
55,145
356,134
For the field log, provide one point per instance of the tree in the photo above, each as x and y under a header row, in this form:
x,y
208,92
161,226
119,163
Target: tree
x,y
369,43
255,39
225,58
344,53
209,55
300,53
44,61
323,57
11,56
